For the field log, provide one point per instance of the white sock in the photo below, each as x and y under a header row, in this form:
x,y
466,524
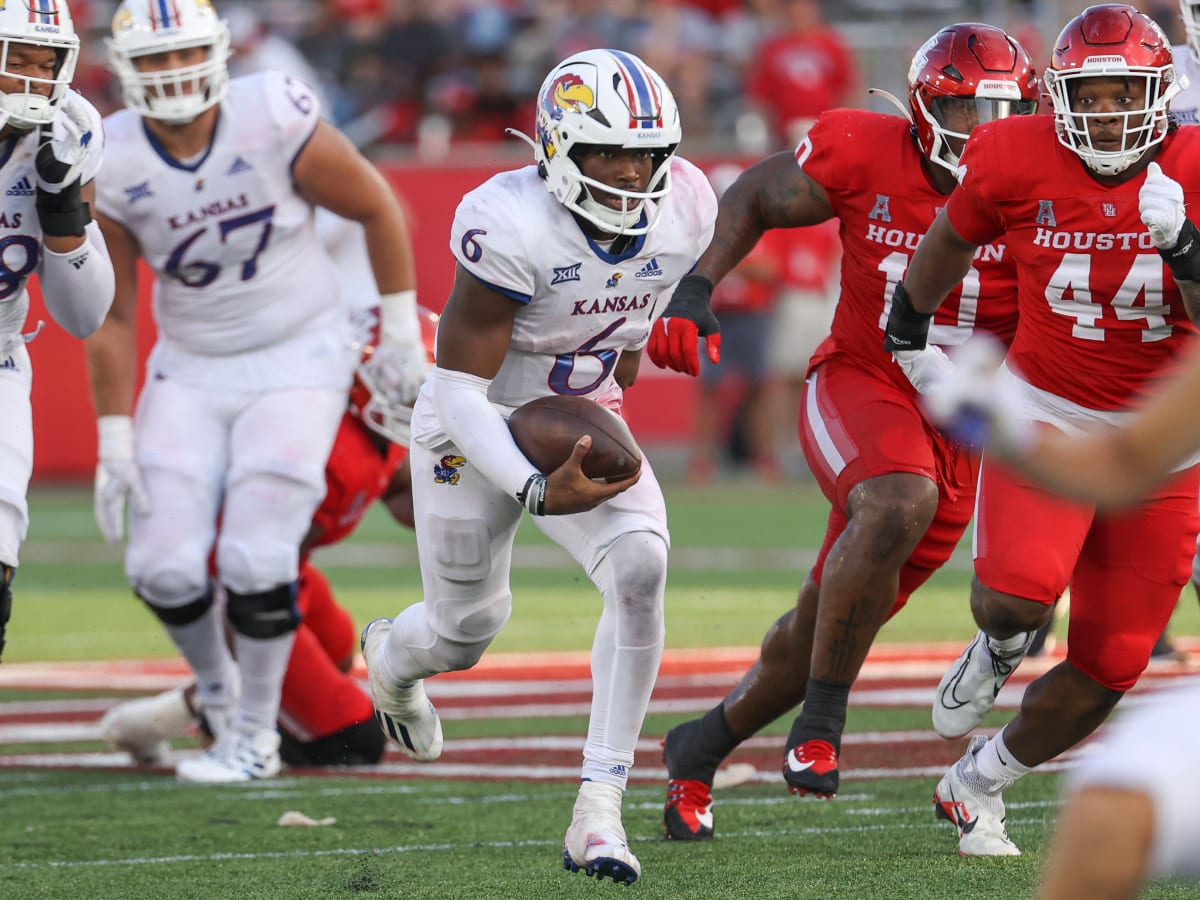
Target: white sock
x,y
996,763
626,653
202,643
263,664
1009,646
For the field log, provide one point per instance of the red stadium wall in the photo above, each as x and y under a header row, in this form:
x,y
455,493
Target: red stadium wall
x,y
659,408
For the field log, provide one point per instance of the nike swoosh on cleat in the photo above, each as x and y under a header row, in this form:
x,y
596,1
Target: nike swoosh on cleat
x,y
705,818
795,766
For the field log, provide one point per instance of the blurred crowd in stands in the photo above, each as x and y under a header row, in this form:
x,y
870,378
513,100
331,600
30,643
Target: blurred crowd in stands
x,y
433,74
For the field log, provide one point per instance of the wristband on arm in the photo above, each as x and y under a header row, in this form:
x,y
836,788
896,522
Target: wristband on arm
x,y
907,329
1183,259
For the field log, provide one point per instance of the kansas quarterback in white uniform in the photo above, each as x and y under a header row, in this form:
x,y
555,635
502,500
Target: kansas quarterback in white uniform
x,y
561,268
51,145
214,184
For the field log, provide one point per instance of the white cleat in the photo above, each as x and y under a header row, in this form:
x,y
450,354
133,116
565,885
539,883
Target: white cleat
x,y
237,756
403,712
144,727
964,799
595,843
969,687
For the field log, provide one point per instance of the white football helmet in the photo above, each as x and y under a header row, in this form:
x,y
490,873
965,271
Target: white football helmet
x,y
144,27
41,23
605,98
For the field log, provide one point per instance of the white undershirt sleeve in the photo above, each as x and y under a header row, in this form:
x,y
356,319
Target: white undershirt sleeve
x,y
478,429
78,286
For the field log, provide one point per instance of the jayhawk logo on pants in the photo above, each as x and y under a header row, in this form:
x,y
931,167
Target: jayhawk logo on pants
x,y
445,470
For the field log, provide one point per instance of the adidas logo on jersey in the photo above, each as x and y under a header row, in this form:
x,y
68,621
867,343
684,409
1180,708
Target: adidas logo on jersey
x,y
650,270
23,188
239,165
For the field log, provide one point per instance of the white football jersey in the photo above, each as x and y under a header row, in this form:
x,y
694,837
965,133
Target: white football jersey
x,y
1186,105
20,231
581,306
238,262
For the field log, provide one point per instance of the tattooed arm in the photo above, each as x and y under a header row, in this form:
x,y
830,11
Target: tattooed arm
x,y
774,193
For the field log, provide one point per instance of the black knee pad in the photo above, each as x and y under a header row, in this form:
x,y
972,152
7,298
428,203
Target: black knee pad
x,y
360,744
266,614
182,615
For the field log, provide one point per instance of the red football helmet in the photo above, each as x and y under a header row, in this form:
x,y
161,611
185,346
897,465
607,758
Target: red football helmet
x,y
1112,41
367,404
963,76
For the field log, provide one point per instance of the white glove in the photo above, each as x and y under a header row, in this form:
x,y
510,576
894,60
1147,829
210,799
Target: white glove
x,y
398,367
1160,202
64,145
117,477
978,405
924,368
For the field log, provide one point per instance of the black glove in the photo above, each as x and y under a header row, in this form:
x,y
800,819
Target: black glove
x,y
675,336
906,329
1184,258
61,214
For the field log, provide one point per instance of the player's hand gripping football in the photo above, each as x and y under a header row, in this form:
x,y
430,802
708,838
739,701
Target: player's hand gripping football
x,y
569,491
977,405
1161,204
925,369
117,477
675,336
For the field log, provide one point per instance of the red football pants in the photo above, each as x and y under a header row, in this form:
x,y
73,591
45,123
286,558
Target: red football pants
x,y
1125,567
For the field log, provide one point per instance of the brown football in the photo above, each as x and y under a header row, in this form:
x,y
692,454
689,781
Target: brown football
x,y
546,430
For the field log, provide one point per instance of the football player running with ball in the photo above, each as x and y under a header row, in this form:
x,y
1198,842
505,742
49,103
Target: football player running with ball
x,y
50,150
561,267
901,492
214,184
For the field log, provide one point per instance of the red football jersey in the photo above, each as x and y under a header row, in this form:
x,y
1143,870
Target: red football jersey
x,y
1100,314
871,170
356,475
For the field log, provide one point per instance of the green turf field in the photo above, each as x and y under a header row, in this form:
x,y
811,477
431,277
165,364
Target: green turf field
x,y
739,554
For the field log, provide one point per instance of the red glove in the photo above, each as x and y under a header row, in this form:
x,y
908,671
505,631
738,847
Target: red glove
x,y
675,336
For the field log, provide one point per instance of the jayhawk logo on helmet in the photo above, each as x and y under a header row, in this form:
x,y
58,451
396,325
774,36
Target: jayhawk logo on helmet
x,y
568,92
